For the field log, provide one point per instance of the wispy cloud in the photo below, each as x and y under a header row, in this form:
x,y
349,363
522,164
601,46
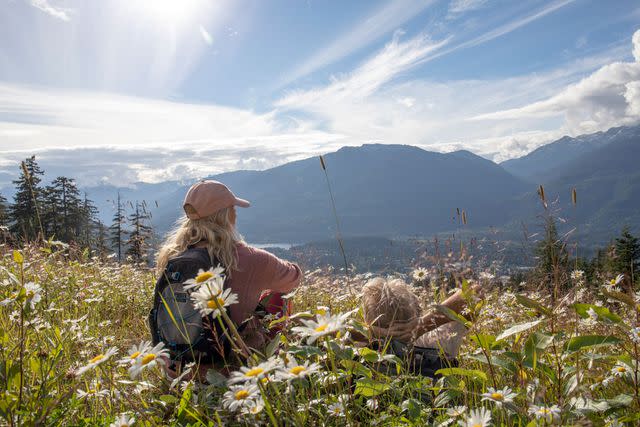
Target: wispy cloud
x,y
608,97
382,22
46,7
457,7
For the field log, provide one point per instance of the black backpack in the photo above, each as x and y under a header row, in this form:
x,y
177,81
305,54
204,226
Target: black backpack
x,y
175,321
423,361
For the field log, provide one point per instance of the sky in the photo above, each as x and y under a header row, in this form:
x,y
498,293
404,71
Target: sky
x,y
122,91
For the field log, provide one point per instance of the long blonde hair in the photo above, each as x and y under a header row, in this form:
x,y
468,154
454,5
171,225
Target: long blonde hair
x,y
217,230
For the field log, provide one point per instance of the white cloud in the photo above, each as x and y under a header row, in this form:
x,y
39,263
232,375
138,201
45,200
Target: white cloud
x,y
606,98
385,20
46,7
457,7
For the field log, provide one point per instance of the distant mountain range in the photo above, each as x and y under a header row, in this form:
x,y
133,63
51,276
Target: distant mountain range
x,y
402,190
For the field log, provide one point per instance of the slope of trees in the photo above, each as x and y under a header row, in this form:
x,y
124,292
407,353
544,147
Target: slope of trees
x,y
58,211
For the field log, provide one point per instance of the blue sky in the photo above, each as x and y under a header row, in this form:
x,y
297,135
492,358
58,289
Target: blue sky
x,y
152,90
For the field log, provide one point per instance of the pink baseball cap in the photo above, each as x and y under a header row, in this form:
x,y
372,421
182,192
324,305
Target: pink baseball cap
x,y
205,198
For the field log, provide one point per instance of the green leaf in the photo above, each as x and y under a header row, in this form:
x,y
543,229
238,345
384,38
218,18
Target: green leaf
x,y
620,296
529,303
169,399
484,340
453,315
577,343
17,257
516,329
471,373
368,354
368,388
602,312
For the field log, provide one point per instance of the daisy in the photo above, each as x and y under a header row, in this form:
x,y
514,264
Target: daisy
x,y
323,325
97,360
210,299
621,369
546,413
293,370
477,418
213,276
593,316
123,420
253,407
457,411
156,356
240,396
253,374
635,335
577,275
135,352
94,390
372,404
613,283
499,397
420,274
336,409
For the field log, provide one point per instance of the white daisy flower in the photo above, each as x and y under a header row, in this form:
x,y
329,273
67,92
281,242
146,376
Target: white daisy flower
x,y
621,369
156,356
547,413
420,274
499,397
372,404
477,418
635,335
593,316
336,409
213,276
612,284
135,353
325,324
210,299
253,407
97,360
457,411
124,420
94,390
292,370
253,374
240,396
577,275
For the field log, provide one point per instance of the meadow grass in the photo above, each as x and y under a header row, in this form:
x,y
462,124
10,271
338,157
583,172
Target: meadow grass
x,y
72,352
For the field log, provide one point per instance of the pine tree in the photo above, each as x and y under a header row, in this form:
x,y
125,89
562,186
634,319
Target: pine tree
x,y
86,222
553,259
102,247
24,213
626,258
141,233
4,211
117,230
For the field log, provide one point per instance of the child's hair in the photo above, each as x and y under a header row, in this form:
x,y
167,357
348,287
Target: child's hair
x,y
385,302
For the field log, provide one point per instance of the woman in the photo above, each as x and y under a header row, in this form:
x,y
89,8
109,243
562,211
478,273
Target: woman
x,y
393,312
210,222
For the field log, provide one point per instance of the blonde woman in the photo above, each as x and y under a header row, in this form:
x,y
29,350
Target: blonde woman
x,y
209,224
393,312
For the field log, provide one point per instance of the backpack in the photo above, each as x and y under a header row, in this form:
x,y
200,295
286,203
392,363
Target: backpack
x,y
176,322
423,361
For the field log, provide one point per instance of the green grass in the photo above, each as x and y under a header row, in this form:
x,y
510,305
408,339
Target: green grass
x,y
58,313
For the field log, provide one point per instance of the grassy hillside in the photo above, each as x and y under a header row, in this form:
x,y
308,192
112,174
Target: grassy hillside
x,y
68,327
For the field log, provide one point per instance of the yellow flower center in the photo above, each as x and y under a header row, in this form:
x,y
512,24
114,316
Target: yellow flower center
x,y
212,304
321,328
497,396
97,358
136,354
148,358
264,380
254,372
477,425
203,277
621,369
321,311
612,281
242,394
544,411
296,370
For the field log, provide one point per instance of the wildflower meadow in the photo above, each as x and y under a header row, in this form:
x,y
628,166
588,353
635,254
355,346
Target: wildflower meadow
x,y
75,350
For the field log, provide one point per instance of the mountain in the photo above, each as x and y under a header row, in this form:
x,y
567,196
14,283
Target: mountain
x,y
380,190
552,158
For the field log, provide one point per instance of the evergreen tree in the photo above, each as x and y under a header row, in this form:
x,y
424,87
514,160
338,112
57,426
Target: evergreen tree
x,y
4,211
117,228
140,235
24,212
553,259
626,258
86,222
102,246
